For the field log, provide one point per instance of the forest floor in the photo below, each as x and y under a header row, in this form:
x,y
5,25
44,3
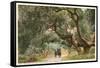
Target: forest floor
x,y
65,56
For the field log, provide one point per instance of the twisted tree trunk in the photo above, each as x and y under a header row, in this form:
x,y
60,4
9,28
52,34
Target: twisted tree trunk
x,y
85,44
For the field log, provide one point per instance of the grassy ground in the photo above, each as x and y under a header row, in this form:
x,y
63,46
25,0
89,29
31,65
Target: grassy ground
x,y
79,57
51,57
27,59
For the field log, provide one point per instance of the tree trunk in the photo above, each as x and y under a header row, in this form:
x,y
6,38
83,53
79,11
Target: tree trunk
x,y
86,50
85,44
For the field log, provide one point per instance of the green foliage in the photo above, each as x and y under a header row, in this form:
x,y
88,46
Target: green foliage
x,y
87,23
85,29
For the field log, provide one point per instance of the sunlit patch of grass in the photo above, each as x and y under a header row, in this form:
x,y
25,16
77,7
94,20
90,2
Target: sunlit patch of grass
x,y
27,59
79,57
82,57
22,59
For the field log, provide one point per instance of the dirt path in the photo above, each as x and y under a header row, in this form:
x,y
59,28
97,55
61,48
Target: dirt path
x,y
52,58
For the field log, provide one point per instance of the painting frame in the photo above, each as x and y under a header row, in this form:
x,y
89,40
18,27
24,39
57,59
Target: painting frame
x,y
14,32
